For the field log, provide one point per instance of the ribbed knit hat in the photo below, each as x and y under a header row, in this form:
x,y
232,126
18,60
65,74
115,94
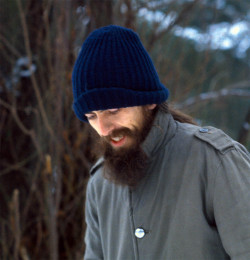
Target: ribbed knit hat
x,y
114,70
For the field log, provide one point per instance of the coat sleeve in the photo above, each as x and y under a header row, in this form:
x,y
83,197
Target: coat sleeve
x,y
93,249
231,202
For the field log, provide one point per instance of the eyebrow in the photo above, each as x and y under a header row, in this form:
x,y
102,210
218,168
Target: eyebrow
x,y
100,111
90,113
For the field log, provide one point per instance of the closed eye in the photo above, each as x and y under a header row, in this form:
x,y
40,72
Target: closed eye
x,y
90,116
113,110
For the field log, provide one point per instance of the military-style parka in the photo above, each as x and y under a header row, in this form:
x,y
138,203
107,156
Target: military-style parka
x,y
193,204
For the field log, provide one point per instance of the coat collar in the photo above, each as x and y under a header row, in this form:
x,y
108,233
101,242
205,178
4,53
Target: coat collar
x,y
163,130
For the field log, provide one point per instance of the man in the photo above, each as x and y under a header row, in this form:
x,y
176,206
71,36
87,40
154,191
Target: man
x,y
164,188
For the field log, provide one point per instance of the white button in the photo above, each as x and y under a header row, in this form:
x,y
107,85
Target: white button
x,y
140,233
204,130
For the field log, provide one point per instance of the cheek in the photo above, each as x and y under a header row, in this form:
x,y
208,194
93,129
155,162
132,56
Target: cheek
x,y
94,126
132,123
137,120
127,122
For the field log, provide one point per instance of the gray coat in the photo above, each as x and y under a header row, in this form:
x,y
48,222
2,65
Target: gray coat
x,y
194,203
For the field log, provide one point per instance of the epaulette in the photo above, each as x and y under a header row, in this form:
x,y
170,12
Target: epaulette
x,y
215,137
96,166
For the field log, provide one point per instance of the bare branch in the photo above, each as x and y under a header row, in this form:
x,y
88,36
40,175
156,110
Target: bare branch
x,y
157,35
213,95
152,6
242,84
10,46
23,128
16,224
17,166
245,128
33,79
16,117
48,43
24,253
130,15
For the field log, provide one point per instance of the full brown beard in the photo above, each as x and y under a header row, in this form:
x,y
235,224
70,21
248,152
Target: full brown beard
x,y
127,166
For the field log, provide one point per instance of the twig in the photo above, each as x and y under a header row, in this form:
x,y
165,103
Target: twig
x,y
130,15
181,16
33,79
16,117
33,187
10,46
24,253
18,165
213,95
17,232
51,217
2,120
48,43
245,128
3,241
242,84
156,6
25,130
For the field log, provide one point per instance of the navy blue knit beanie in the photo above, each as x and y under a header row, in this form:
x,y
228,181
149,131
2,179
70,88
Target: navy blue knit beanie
x,y
114,70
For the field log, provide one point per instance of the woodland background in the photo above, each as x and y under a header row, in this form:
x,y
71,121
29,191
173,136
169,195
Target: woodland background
x,y
46,151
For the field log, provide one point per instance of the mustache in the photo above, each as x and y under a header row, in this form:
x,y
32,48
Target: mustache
x,y
118,132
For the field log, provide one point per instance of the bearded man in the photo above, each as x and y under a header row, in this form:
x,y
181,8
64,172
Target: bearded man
x,y
164,188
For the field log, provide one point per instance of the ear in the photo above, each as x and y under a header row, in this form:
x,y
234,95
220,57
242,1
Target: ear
x,y
151,106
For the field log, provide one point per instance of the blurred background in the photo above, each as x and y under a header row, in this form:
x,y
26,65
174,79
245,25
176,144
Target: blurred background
x,y
201,49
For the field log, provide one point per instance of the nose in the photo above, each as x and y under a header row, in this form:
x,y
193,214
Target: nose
x,y
105,127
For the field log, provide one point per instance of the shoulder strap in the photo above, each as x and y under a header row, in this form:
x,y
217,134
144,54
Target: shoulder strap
x,y
215,137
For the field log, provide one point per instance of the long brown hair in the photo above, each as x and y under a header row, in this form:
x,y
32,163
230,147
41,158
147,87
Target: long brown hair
x,y
177,114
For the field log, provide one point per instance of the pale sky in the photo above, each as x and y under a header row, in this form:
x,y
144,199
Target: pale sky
x,y
218,36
